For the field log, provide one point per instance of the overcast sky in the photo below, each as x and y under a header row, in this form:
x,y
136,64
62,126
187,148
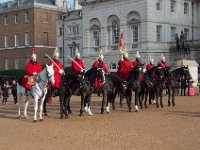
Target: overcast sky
x,y
70,1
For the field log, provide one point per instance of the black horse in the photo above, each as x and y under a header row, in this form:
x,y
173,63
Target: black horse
x,y
113,84
133,84
172,77
150,85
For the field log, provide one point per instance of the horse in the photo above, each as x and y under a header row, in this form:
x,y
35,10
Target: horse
x,y
134,84
38,91
149,82
172,77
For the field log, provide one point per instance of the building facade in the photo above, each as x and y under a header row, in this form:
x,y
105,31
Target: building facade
x,y
71,22
149,27
25,25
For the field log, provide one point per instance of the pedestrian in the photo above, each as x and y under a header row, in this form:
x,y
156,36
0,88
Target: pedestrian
x,y
14,91
5,89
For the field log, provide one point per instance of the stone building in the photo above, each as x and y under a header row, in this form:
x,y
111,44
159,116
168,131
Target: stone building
x,y
149,27
27,24
69,28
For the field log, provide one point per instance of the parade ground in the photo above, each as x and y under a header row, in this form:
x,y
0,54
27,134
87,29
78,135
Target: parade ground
x,y
154,128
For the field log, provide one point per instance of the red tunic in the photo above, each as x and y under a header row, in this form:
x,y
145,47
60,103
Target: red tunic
x,y
33,67
30,69
57,75
76,68
124,69
163,65
149,67
97,83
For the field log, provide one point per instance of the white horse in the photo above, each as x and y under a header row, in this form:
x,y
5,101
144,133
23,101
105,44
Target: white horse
x,y
38,91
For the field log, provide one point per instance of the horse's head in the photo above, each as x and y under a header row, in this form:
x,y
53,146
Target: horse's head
x,y
50,74
138,71
186,73
160,74
101,75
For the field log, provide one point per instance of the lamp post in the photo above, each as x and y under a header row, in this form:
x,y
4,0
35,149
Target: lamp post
x,y
63,34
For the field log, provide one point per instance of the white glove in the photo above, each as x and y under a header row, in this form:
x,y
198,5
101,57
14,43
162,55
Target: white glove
x,y
82,70
34,73
61,71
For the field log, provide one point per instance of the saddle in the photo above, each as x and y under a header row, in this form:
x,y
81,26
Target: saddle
x,y
32,80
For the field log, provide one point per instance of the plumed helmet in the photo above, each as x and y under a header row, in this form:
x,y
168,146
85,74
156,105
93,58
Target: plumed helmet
x,y
125,55
33,56
77,54
101,55
138,55
56,53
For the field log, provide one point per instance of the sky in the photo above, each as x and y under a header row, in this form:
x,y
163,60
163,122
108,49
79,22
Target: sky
x,y
70,1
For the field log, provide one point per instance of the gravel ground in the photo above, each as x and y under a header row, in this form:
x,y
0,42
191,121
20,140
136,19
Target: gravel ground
x,y
154,128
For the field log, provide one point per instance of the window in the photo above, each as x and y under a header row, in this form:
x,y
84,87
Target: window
x,y
159,28
173,5
26,17
5,41
113,66
73,29
27,39
134,30
16,37
45,17
96,36
61,52
5,20
27,59
115,32
186,32
72,51
186,8
6,64
16,19
158,4
60,31
16,63
45,38
173,33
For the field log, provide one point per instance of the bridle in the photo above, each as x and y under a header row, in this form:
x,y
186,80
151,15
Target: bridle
x,y
103,74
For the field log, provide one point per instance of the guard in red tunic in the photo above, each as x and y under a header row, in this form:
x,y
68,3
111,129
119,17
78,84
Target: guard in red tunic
x,y
150,65
58,69
137,60
32,68
102,64
77,64
125,67
162,62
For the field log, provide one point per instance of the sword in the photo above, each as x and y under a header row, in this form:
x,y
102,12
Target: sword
x,y
75,62
52,61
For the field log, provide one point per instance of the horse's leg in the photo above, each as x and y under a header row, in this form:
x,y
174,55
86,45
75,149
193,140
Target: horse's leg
x,y
89,102
108,103
113,101
66,107
161,96
136,100
146,96
19,97
35,108
41,107
157,95
169,95
104,100
173,96
61,97
26,107
141,96
82,104
45,106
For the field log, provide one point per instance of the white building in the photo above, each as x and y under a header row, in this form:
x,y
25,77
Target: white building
x,y
149,27
71,22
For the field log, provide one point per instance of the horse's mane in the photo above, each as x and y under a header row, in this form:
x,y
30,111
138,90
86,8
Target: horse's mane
x,y
115,79
91,71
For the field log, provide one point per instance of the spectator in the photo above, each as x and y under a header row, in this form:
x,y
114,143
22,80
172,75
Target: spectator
x,y
5,88
14,91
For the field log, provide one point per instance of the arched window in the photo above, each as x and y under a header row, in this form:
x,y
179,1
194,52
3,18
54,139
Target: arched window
x,y
133,20
95,33
115,32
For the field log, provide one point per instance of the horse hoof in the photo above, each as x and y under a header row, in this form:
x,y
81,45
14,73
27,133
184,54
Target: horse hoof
x,y
145,106
130,110
34,121
81,115
90,114
70,112
41,120
61,117
45,114
161,106
102,112
19,117
66,117
136,108
26,117
108,112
